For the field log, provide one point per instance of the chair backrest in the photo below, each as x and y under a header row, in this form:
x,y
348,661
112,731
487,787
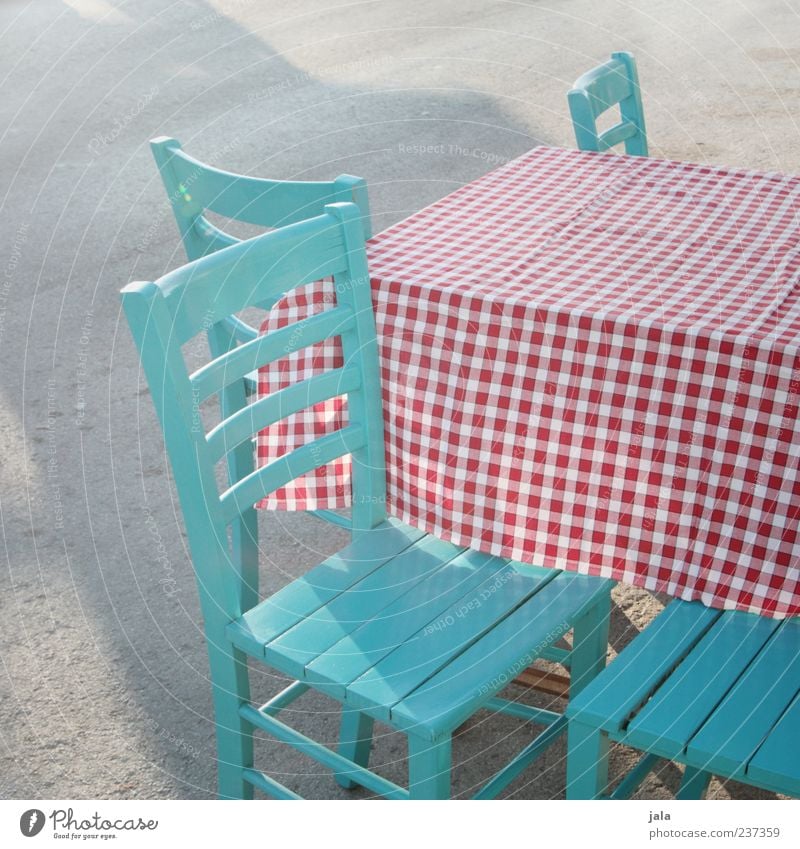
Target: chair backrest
x,y
194,188
164,315
614,82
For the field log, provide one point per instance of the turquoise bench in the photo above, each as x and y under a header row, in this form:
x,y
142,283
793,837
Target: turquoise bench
x,y
717,691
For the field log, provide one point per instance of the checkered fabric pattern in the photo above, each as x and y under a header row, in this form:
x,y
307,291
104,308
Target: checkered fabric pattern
x,y
589,362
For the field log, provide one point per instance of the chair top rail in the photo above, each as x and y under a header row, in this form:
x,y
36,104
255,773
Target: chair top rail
x,y
605,85
253,200
200,294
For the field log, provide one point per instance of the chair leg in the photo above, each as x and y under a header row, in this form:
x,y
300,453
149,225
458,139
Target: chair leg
x,y
355,742
230,689
587,761
429,768
694,783
590,645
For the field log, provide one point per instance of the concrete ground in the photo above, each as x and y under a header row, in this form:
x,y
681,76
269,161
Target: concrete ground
x,y
103,688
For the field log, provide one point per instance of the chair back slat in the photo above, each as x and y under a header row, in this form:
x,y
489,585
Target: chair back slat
x,y
293,465
166,314
613,83
616,135
266,411
263,350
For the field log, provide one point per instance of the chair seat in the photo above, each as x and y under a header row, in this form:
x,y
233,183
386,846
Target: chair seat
x,y
718,691
412,630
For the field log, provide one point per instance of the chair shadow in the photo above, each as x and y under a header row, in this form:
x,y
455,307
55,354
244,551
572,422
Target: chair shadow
x,y
245,107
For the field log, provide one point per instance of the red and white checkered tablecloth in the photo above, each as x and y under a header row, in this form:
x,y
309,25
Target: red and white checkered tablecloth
x,y
589,362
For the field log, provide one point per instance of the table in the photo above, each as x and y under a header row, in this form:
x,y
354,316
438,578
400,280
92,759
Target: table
x,y
589,362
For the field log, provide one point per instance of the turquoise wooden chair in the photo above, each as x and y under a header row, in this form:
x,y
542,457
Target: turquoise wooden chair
x,y
716,691
194,188
614,82
399,626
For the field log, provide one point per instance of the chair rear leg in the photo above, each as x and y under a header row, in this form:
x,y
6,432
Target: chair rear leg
x,y
355,742
587,747
590,645
429,768
230,689
587,761
693,784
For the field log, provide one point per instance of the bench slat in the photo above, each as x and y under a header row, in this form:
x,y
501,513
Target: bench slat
x,y
609,700
736,729
688,697
777,762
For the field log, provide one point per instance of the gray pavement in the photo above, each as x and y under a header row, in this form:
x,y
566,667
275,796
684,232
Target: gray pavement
x,y
103,685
